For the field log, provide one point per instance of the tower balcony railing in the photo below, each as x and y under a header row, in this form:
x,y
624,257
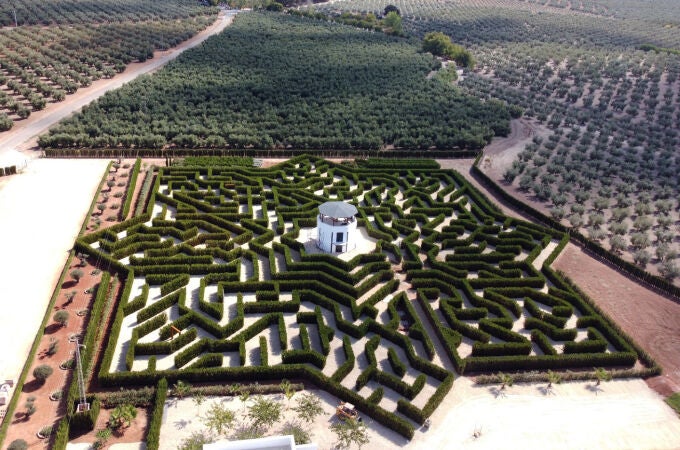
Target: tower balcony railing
x,y
335,221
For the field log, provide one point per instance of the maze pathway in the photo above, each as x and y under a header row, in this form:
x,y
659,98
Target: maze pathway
x,y
224,283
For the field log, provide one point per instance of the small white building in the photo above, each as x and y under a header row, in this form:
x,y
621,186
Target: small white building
x,y
266,443
336,227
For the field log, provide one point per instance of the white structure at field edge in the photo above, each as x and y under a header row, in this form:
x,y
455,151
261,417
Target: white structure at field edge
x,y
336,227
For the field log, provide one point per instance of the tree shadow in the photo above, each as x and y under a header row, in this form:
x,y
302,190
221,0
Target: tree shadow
x,y
32,386
20,417
118,432
595,388
546,390
497,392
181,424
52,328
68,284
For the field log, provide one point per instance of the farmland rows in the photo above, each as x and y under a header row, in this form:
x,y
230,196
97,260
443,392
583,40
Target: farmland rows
x,y
610,168
42,65
276,81
40,12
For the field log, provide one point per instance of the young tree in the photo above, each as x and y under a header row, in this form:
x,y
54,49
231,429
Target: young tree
x,y
198,401
70,296
82,257
61,317
76,274
181,389
122,415
195,441
102,436
288,391
244,396
350,432
601,374
308,407
300,435
393,22
264,412
218,418
505,379
553,377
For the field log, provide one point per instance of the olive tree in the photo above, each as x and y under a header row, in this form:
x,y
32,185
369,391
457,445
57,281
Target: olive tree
x,y
218,418
61,317
641,257
42,373
669,270
264,412
617,243
308,407
350,432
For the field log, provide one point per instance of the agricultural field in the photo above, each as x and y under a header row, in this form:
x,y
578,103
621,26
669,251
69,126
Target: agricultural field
x,y
71,12
222,281
275,81
602,79
44,63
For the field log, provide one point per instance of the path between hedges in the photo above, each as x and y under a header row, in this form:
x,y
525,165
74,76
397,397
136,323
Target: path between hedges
x,y
652,319
23,134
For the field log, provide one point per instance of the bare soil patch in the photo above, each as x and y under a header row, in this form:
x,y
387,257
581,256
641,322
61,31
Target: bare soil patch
x,y
650,318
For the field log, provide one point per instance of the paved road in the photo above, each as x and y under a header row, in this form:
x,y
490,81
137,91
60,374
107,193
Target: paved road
x,y
21,136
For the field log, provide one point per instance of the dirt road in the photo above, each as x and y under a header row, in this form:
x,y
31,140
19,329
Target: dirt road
x,y
22,135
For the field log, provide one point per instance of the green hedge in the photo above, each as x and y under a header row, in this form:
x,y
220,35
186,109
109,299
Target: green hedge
x,y
398,366
129,193
570,361
139,301
153,433
84,422
161,305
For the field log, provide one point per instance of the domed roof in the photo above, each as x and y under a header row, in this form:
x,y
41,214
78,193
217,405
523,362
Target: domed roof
x,y
338,209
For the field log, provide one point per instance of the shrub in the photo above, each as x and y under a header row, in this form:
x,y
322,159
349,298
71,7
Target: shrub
x,y
42,372
18,444
61,317
76,274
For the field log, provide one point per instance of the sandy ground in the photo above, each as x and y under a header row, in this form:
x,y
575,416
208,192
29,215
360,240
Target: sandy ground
x,y
41,212
650,318
20,137
622,414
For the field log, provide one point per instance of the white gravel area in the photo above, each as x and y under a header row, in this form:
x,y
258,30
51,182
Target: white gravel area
x,y
41,212
623,414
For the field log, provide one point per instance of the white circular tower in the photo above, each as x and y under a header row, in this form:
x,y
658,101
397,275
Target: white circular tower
x,y
336,227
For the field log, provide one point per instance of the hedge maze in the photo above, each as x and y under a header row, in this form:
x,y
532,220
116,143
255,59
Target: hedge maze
x,y
223,284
